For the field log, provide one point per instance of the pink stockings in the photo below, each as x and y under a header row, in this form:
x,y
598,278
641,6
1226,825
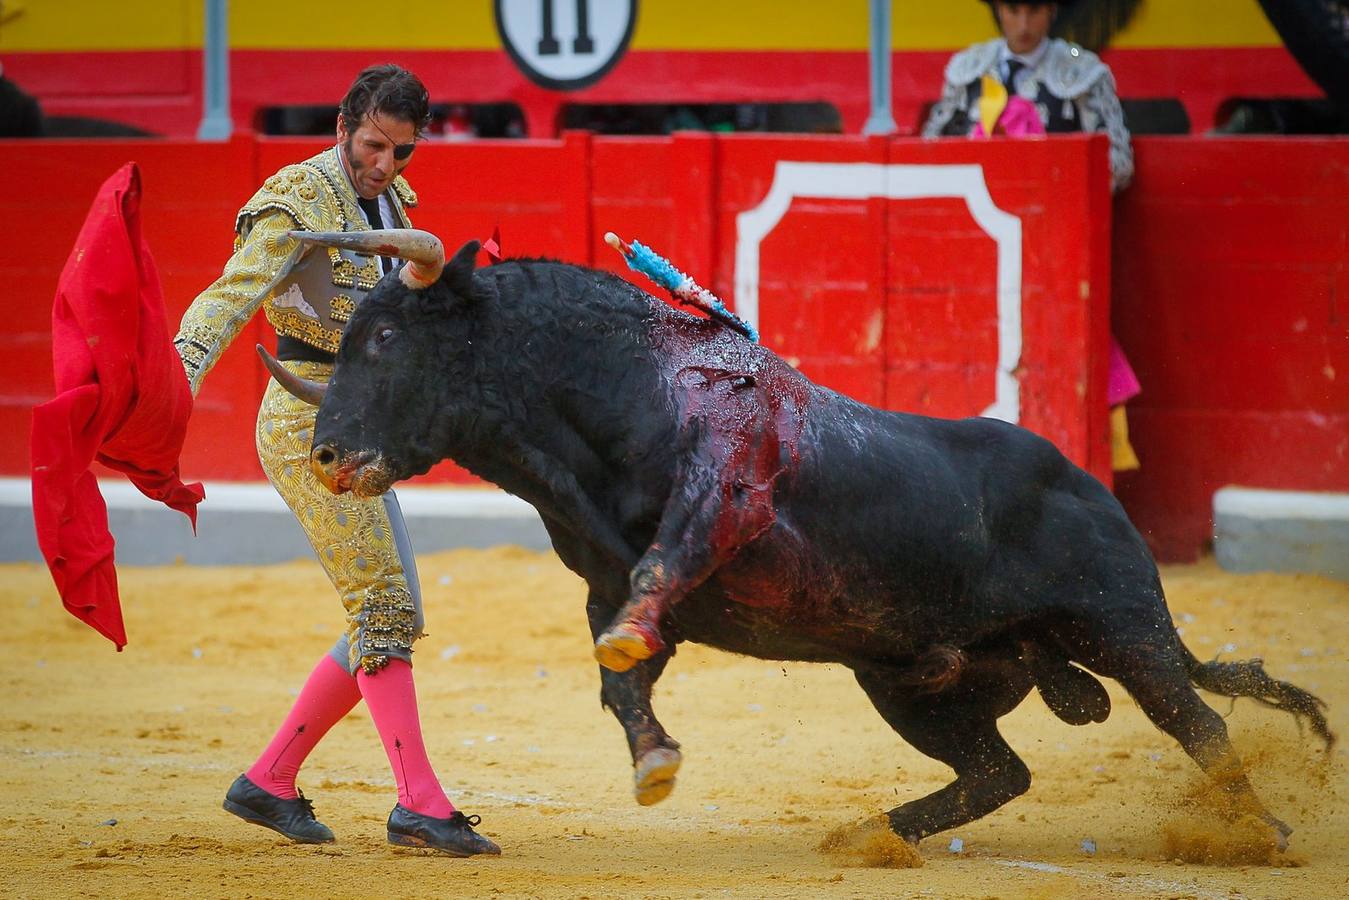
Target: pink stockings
x,y
328,695
391,698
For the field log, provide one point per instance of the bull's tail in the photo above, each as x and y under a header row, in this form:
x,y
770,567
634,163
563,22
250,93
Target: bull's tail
x,y
1248,678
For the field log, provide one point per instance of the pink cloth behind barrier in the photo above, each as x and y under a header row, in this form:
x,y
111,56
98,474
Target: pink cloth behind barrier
x,y
1018,119
1121,382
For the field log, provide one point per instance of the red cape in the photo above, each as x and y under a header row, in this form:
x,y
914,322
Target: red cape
x,y
122,398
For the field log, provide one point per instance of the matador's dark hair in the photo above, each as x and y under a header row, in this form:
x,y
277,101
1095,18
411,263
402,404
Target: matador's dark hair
x,y
389,90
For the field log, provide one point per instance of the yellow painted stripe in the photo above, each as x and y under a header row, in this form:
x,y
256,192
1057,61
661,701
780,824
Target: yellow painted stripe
x,y
666,25
844,25
72,25
1199,23
1158,23
751,25
384,24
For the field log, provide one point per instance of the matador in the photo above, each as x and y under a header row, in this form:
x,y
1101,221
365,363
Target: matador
x,y
307,295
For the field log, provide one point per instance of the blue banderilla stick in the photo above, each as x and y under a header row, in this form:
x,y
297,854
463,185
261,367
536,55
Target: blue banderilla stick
x,y
641,258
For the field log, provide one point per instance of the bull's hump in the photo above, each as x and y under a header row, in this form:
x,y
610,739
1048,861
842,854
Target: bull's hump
x,y
692,341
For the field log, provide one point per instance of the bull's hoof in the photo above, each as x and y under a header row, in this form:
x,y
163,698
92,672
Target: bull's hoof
x,y
621,648
654,775
1282,831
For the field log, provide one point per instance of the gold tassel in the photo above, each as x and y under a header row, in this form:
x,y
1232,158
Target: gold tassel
x,y
992,101
1122,455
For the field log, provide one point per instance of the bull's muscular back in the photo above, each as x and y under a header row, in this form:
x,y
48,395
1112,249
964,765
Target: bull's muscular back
x,y
836,511
611,385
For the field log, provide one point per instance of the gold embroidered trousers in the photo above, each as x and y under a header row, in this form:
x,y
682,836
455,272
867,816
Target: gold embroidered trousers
x,y
361,544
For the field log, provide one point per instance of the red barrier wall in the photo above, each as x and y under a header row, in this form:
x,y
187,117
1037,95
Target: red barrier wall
x,y
1231,279
189,189
894,301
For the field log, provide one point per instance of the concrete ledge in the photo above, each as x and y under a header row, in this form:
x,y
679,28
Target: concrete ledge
x,y
247,524
1258,530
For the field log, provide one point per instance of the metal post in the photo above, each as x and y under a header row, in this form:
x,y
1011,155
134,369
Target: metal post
x,y
881,121
215,120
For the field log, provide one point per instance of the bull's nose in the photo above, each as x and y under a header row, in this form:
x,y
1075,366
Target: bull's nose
x,y
323,460
324,455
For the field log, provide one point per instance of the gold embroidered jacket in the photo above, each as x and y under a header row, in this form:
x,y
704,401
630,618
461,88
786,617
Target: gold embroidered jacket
x,y
305,295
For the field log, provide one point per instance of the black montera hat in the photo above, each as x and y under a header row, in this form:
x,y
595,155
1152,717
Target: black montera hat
x,y
1091,23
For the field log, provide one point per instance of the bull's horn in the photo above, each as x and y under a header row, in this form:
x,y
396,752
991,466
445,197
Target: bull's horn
x,y
422,249
310,392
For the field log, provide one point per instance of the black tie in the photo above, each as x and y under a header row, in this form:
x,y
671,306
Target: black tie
x,y
371,210
1013,66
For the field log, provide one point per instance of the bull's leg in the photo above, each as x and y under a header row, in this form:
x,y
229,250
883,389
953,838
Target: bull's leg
x,y
1165,695
682,555
1148,659
710,517
697,534
627,694
722,499
960,728
635,633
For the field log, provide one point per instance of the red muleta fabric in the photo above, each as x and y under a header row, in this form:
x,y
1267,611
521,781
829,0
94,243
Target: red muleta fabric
x,y
122,399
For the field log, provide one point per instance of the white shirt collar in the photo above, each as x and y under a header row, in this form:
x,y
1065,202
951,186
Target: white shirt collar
x,y
1031,59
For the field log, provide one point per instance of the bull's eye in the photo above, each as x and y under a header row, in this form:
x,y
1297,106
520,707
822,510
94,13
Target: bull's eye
x,y
385,335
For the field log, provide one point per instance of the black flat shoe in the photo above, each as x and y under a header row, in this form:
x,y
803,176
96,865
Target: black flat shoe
x,y
454,835
293,818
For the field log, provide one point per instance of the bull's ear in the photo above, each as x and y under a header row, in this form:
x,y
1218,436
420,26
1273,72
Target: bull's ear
x,y
459,270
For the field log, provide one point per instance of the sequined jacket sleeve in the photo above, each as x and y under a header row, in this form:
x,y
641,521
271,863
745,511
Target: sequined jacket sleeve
x,y
1101,112
263,255
948,116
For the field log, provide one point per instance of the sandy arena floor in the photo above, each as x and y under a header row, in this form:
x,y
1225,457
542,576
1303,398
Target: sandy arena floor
x,y
115,764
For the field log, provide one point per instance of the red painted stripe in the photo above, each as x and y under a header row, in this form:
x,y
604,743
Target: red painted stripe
x,y
161,90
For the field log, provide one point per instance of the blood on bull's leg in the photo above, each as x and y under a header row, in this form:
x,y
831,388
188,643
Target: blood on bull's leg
x,y
729,458
627,694
635,633
713,527
722,522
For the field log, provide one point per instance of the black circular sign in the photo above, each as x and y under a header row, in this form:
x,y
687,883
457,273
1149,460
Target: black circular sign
x,y
565,45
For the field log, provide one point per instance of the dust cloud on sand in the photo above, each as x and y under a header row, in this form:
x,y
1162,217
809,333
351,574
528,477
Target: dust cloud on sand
x,y
114,765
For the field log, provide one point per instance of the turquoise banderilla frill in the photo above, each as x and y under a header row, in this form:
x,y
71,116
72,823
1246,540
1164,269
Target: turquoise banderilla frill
x,y
641,258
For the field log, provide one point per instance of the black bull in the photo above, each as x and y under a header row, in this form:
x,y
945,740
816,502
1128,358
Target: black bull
x,y
707,491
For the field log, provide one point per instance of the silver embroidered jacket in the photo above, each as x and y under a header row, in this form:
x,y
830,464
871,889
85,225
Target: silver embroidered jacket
x,y
1066,72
